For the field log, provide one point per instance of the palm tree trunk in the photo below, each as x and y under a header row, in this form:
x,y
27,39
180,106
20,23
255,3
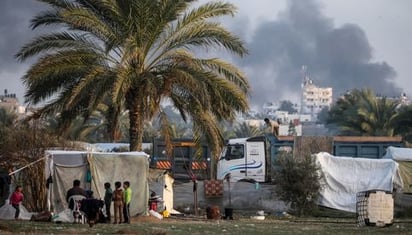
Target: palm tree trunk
x,y
136,128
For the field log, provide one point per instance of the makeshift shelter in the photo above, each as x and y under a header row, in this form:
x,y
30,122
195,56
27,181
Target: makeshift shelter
x,y
403,156
161,183
345,177
93,169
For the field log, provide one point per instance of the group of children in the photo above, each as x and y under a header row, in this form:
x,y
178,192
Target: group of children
x,y
121,199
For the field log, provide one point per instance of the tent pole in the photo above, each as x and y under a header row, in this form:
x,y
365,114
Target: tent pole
x,y
14,172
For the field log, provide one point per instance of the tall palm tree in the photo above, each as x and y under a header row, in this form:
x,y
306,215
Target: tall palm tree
x,y
376,114
360,112
140,52
110,120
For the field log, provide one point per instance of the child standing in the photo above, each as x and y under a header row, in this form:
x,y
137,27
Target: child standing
x,y
118,199
108,197
15,199
127,200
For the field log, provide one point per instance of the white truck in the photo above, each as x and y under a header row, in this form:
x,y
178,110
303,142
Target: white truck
x,y
252,159
244,158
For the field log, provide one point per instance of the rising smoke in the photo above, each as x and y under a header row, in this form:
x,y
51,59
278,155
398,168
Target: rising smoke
x,y
337,57
340,57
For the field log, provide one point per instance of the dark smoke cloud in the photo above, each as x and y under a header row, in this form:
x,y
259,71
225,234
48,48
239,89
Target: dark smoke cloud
x,y
338,57
15,29
15,18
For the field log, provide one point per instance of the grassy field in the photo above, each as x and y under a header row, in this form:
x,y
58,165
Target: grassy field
x,y
146,225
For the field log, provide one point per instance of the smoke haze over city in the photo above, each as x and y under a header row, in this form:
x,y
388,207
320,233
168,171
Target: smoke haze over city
x,y
281,37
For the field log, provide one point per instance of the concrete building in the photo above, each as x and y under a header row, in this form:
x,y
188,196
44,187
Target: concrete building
x,y
270,108
10,102
314,98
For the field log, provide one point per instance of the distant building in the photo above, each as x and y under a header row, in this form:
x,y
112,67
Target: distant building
x,y
402,99
10,102
270,108
314,98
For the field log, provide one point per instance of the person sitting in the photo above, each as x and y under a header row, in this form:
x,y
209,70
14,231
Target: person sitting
x,y
75,190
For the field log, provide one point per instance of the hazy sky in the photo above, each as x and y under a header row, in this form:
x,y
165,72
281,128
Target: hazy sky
x,y
345,44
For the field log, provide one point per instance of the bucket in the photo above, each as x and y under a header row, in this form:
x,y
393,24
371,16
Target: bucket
x,y
228,213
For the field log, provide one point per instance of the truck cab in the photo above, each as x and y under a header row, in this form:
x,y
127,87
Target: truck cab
x,y
243,158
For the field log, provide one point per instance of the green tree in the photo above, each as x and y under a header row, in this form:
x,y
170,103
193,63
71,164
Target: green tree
x,y
140,53
291,129
360,112
22,149
243,130
7,117
299,182
287,105
403,123
323,115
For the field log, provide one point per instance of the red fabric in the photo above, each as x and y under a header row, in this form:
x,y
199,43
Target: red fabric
x,y
16,198
153,206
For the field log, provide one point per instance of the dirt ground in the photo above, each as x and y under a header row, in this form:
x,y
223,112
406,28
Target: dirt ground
x,y
148,225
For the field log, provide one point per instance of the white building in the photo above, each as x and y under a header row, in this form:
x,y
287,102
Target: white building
x,y
270,108
9,102
314,98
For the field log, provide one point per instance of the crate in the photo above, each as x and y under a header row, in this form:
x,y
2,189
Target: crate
x,y
374,208
213,188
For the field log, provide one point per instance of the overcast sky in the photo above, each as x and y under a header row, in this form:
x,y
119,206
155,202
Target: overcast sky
x,y
345,44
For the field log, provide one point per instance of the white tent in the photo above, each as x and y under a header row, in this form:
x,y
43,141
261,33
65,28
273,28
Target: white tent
x,y
398,154
346,176
93,169
403,156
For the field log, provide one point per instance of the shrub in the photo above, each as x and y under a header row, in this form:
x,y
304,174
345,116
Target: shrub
x,y
22,148
299,181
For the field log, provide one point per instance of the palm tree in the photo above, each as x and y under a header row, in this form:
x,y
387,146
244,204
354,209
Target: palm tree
x,y
377,114
360,112
243,130
403,123
139,52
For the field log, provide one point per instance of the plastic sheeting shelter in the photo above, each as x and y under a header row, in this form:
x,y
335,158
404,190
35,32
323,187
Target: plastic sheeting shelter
x,y
93,169
7,212
346,176
403,156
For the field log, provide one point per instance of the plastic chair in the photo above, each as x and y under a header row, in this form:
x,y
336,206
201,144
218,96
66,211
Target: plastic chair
x,y
78,215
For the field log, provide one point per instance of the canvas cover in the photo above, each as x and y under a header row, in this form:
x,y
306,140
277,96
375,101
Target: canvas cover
x,y
93,169
403,156
398,154
346,176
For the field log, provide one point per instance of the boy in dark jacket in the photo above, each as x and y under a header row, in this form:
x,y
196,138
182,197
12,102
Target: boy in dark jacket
x,y
108,197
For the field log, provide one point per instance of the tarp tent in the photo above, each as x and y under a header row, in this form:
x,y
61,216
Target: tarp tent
x,y
346,176
93,169
403,156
